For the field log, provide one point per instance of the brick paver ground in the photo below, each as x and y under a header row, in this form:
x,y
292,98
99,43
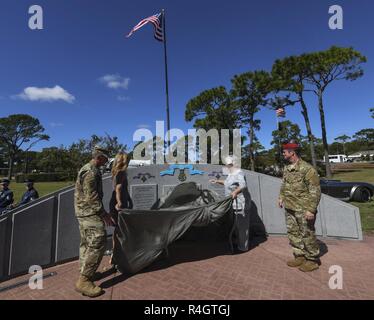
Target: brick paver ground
x,y
209,271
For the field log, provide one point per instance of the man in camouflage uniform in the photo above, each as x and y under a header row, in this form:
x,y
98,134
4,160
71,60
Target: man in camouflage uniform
x,y
300,195
92,219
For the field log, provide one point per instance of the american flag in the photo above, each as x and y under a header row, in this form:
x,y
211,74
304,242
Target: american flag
x,y
157,21
281,113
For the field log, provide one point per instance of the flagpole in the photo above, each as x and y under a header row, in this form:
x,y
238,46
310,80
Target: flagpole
x,y
279,128
279,142
166,78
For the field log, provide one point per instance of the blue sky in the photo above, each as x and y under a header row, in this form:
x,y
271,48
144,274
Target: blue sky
x,y
83,47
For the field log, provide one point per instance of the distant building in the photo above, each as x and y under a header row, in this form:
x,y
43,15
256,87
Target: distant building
x,y
361,154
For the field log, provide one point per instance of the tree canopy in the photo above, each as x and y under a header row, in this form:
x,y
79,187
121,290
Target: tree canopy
x,y
325,67
212,109
250,91
17,131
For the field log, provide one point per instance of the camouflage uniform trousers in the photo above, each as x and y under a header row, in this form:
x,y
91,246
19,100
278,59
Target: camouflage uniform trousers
x,y
92,245
301,234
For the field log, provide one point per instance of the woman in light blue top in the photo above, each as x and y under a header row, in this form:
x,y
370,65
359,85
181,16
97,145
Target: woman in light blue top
x,y
234,185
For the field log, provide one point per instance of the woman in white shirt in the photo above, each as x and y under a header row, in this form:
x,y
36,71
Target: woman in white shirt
x,y
234,185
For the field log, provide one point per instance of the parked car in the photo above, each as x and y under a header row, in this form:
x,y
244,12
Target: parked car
x,y
348,191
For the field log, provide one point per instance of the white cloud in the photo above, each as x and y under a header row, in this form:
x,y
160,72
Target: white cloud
x,y
56,124
45,94
123,98
115,81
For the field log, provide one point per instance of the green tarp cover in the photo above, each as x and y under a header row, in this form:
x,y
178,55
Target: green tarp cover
x,y
142,235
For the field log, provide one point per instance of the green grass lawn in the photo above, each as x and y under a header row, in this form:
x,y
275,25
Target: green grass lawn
x,y
366,209
43,188
367,216
363,175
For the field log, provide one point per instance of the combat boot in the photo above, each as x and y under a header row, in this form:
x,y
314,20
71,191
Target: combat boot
x,y
296,262
309,266
87,287
107,271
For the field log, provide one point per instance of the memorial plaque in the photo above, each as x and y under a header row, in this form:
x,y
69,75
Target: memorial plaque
x,y
144,196
167,189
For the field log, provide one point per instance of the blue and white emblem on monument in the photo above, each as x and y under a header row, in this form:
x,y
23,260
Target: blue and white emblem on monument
x,y
182,167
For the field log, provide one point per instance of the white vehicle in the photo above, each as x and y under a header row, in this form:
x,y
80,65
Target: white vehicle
x,y
132,164
139,163
337,158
